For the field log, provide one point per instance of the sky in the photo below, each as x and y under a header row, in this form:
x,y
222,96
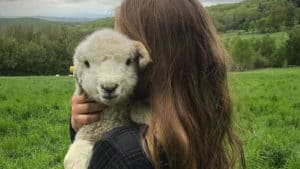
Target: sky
x,y
69,8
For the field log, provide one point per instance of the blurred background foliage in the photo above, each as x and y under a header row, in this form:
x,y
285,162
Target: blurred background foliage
x,y
256,34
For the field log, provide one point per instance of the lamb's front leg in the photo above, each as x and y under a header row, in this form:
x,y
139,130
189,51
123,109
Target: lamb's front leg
x,y
140,112
81,151
79,155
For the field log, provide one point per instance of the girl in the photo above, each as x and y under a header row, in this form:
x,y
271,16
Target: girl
x,y
186,88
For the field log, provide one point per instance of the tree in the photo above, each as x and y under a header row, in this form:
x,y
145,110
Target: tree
x,y
296,2
290,17
279,57
277,17
31,59
262,25
268,48
293,47
242,54
8,52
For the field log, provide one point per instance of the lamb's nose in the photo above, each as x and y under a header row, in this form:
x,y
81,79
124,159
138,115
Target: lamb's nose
x,y
109,88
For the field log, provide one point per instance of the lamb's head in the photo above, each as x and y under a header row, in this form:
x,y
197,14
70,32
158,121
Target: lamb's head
x,y
106,65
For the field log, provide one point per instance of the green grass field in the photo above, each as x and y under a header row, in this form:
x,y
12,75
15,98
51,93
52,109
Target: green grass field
x,y
34,116
279,37
267,108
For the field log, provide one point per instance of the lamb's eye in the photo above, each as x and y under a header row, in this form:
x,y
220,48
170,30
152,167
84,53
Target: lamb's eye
x,y
128,61
87,64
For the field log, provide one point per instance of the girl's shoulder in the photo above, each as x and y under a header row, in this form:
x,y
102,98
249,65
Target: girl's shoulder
x,y
121,148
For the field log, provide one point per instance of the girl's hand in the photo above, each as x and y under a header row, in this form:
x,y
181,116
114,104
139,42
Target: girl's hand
x,y
84,112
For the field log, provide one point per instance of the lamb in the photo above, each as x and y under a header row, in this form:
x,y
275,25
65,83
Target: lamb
x,y
106,66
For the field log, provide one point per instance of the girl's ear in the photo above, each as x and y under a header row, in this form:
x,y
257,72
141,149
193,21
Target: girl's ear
x,y
142,54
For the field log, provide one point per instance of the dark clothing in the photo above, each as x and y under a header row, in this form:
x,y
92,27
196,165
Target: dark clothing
x,y
120,148
72,132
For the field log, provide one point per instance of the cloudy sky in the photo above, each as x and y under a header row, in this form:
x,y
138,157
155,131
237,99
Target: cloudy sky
x,y
68,8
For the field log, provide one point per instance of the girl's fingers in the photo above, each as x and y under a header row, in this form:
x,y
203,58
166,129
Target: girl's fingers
x,y
79,99
83,119
84,111
78,120
88,108
81,106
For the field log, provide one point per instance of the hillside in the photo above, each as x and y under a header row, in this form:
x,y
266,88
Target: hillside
x,y
82,25
258,16
35,22
255,16
66,19
278,37
99,23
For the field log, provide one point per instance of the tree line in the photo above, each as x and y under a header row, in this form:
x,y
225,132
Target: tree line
x,y
46,50
49,50
42,49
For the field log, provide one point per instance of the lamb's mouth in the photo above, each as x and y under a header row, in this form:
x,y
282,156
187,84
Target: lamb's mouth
x,y
109,96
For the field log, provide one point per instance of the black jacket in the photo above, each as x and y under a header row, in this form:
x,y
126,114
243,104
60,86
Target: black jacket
x,y
120,149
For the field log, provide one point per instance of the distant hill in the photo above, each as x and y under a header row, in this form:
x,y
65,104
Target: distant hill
x,y
35,22
83,24
259,16
66,19
99,23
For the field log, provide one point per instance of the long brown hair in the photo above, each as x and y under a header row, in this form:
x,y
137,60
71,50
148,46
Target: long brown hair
x,y
188,92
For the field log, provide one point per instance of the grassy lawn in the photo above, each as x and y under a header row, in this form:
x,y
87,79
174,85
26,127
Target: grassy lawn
x,y
279,37
267,107
34,117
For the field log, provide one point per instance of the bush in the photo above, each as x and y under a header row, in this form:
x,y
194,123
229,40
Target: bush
x,y
242,53
293,47
258,51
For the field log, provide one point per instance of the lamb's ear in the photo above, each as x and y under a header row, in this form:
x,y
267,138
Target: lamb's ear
x,y
142,54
